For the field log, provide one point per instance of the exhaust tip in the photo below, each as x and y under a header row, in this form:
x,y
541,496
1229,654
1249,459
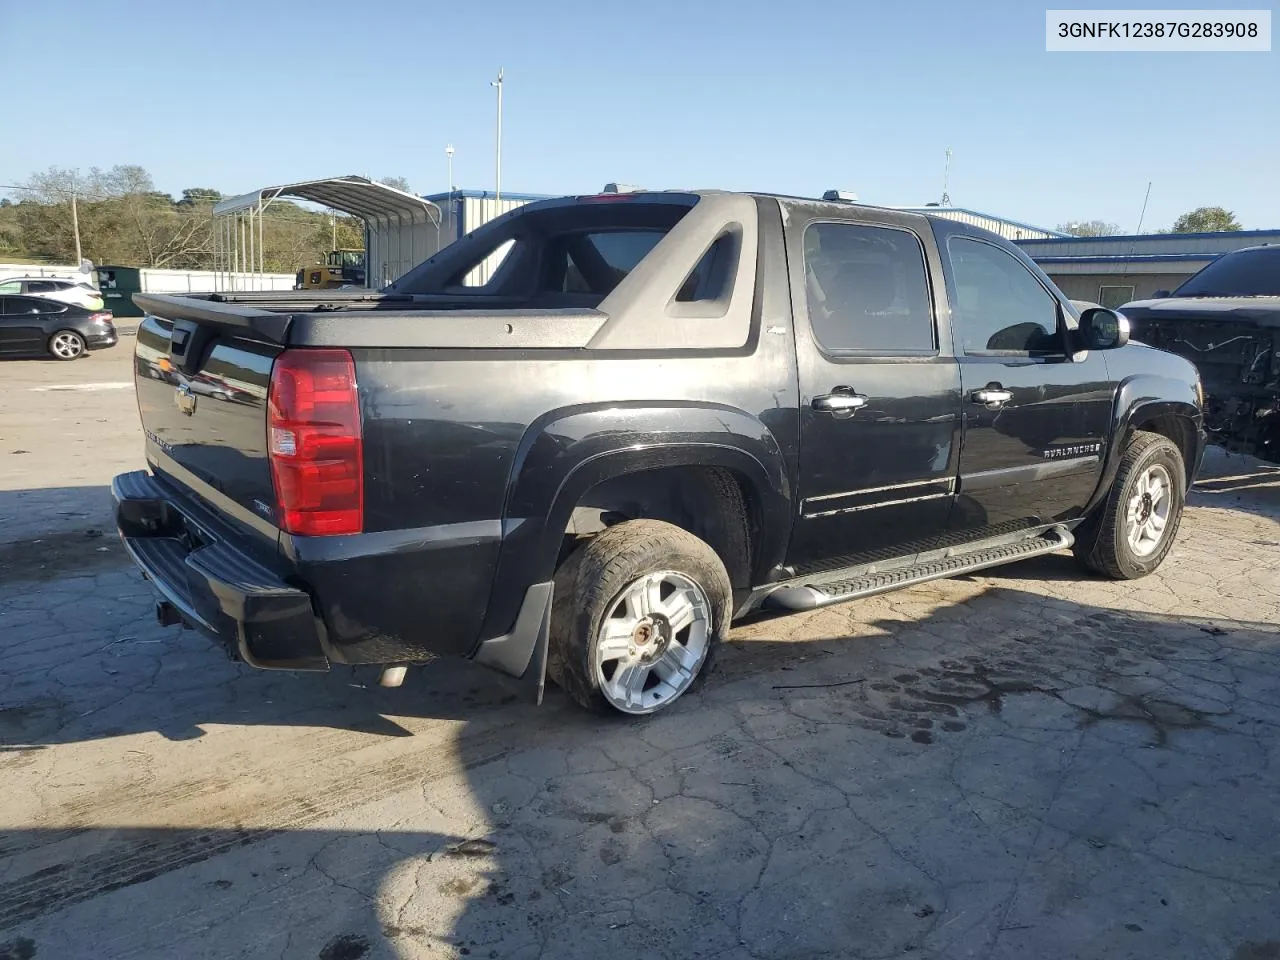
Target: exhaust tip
x,y
393,676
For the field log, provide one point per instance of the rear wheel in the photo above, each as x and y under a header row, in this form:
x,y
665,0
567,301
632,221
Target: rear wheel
x,y
66,345
638,612
1135,527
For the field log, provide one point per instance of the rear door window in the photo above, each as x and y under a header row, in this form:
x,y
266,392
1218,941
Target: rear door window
x,y
21,306
41,286
867,290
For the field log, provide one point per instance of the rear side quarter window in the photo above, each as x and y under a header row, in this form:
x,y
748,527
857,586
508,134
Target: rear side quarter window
x,y
867,290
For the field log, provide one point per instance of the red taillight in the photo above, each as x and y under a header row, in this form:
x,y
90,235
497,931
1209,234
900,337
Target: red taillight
x,y
314,442
102,316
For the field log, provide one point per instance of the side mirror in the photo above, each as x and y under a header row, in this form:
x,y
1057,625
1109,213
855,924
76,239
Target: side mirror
x,y
1103,329
1160,294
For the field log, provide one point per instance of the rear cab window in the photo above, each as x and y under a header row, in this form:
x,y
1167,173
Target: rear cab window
x,y
565,255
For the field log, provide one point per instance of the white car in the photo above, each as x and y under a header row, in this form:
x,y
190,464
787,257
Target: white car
x,y
78,293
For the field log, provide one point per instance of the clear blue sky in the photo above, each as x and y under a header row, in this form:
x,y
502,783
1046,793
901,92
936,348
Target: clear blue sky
x,y
794,96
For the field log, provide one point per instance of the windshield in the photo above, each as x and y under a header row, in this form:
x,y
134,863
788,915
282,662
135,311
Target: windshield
x,y
1245,273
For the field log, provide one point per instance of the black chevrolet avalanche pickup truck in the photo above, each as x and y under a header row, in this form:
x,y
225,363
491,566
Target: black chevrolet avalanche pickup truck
x,y
584,438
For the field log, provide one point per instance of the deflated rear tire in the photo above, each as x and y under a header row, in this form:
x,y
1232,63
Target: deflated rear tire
x,y
1135,527
638,612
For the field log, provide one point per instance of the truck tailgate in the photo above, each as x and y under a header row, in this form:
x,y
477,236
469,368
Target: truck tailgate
x,y
202,396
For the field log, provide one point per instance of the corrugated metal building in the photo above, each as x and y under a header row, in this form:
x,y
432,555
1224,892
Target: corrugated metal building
x,y
464,210
1115,270
1003,226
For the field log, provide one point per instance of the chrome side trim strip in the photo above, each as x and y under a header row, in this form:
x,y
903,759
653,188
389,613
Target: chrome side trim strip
x,y
949,481
874,506
1006,476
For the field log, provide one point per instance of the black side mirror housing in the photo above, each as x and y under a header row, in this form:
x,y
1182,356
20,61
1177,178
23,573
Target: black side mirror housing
x,y
1160,294
1103,329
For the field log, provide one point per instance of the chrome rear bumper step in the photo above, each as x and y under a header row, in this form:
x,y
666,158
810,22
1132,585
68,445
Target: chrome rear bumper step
x,y
809,595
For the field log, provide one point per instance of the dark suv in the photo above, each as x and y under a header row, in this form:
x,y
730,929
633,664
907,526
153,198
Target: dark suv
x,y
1226,320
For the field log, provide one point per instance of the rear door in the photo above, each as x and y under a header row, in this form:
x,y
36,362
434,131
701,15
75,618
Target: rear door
x,y
1036,412
879,391
21,325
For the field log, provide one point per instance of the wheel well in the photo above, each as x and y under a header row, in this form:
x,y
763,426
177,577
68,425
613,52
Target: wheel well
x,y
716,505
1178,429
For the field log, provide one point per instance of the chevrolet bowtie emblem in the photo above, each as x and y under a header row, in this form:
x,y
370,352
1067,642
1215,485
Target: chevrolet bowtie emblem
x,y
185,399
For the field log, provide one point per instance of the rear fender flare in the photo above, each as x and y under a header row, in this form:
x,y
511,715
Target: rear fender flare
x,y
565,454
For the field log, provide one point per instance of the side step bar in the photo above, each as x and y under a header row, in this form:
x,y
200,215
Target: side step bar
x,y
807,596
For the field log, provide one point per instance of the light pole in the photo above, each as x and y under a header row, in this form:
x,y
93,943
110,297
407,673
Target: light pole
x,y
75,225
448,152
497,190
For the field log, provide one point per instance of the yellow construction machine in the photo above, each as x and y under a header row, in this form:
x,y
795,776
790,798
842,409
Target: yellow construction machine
x,y
341,268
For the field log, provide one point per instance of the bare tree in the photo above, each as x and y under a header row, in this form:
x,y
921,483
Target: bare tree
x,y
1089,228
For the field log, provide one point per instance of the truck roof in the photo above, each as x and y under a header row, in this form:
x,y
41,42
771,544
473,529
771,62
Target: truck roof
x,y
958,226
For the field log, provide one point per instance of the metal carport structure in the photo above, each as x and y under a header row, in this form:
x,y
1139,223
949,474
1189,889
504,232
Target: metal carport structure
x,y
401,230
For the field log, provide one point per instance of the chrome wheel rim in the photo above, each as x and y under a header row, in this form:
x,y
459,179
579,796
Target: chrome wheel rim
x,y
66,346
653,641
1148,510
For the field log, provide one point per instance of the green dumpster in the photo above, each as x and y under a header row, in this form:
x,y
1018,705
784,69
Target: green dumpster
x,y
118,285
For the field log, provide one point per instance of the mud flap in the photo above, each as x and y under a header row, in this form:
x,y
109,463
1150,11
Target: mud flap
x,y
522,653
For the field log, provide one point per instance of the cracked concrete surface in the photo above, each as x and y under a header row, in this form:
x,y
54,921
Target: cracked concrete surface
x,y
1024,763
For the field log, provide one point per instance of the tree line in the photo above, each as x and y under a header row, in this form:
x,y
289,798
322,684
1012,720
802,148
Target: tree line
x,y
122,219
1199,220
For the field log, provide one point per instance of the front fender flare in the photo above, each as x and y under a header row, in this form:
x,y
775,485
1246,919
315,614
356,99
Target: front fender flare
x,y
1140,399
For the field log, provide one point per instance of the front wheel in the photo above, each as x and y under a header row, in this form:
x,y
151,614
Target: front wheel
x,y
1135,527
66,345
638,612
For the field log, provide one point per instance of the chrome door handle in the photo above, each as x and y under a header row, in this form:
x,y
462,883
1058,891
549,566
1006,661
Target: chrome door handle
x,y
840,404
992,396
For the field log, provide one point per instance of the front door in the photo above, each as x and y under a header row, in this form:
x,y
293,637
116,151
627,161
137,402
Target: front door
x,y
1036,413
879,394
21,325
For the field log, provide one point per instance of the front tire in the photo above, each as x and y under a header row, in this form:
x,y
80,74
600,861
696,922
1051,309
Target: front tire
x,y
1135,527
638,612
66,345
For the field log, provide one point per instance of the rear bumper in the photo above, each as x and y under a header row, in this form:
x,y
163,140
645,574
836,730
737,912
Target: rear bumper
x,y
216,589
99,340
258,616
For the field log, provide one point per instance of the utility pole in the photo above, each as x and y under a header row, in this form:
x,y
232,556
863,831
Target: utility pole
x,y
448,152
497,191
946,180
75,225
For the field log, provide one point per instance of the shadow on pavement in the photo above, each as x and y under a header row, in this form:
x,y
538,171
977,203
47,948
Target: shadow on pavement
x,y
1010,776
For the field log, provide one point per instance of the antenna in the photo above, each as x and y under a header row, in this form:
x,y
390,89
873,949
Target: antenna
x,y
1143,215
946,179
1134,245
